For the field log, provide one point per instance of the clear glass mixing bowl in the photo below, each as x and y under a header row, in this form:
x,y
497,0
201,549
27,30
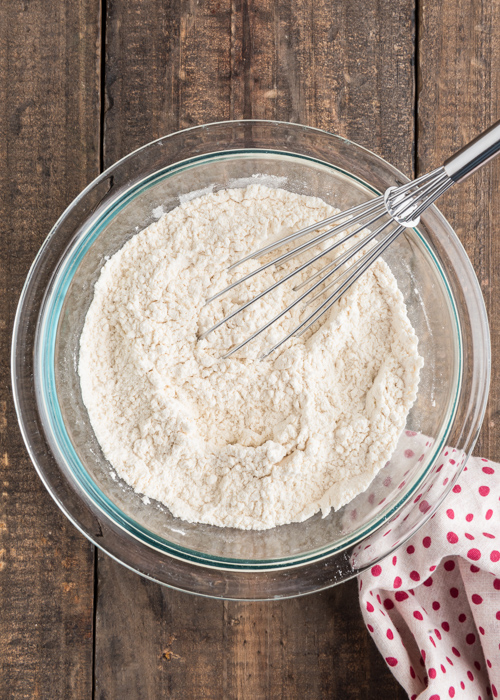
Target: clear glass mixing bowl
x,y
444,304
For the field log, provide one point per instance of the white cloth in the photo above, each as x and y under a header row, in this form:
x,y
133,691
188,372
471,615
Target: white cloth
x,y
433,607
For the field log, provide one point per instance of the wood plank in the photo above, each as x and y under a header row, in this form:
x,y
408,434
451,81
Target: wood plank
x,y
170,64
458,98
49,150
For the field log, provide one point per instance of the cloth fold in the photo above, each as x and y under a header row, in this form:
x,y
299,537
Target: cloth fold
x,y
433,607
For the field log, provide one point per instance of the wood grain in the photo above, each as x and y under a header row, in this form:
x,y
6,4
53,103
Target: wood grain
x,y
156,643
49,150
458,97
340,66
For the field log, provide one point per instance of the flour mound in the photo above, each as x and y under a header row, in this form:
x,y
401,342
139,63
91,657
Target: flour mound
x,y
240,442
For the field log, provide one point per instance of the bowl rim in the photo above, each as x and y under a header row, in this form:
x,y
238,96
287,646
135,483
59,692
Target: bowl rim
x,y
326,552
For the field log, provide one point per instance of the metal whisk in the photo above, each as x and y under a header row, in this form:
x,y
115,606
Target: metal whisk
x,y
401,208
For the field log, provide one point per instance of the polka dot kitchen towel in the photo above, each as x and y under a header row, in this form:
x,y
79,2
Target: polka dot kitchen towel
x,y
433,608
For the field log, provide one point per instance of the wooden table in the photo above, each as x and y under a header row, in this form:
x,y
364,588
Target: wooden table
x,y
83,82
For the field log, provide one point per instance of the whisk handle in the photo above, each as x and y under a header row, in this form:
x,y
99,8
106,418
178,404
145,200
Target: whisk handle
x,y
475,154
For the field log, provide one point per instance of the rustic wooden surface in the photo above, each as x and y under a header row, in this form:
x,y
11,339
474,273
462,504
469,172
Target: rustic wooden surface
x,y
82,82
49,150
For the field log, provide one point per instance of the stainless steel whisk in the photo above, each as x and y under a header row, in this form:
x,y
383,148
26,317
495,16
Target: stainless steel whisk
x,y
400,206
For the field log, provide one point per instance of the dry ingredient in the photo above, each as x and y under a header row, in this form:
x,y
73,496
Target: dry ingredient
x,y
239,442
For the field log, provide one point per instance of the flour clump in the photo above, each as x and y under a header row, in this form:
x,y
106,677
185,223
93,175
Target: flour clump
x,y
239,442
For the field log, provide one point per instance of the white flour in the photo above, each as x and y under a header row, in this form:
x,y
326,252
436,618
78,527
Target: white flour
x,y
239,442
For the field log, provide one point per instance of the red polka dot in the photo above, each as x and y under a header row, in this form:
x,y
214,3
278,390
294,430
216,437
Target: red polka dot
x,y
428,582
432,641
410,549
424,506
498,615
376,570
418,615
450,513
389,634
481,629
431,568
488,534
436,605
438,634
426,542
449,661
455,651
410,433
457,488
394,561
445,626
397,582
489,513
470,675
488,470
494,690
470,638
452,538
454,592
477,665
434,697
495,555
476,599
496,584
484,490
488,662
462,685
474,569
432,673
409,454
400,596
378,598
451,691
469,517
462,617
414,575
391,660
370,628
474,554
443,668
449,565
412,672
469,536
370,607
388,604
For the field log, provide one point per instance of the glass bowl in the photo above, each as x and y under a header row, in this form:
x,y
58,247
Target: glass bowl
x,y
444,304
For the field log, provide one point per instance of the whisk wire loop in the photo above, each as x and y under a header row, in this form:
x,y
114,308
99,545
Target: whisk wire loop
x,y
397,209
